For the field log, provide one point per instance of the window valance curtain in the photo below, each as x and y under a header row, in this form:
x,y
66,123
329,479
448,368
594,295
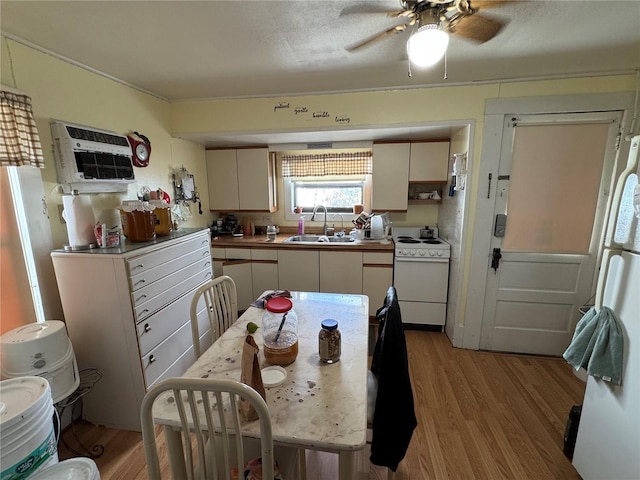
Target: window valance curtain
x,y
19,140
326,164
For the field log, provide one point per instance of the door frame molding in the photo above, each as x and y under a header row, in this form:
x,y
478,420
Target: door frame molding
x,y
467,335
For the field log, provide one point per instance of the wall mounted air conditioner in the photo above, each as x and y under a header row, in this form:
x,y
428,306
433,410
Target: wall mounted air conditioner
x,y
91,160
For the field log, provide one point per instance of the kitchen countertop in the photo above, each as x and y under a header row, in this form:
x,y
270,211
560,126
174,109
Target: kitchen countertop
x,y
127,246
228,241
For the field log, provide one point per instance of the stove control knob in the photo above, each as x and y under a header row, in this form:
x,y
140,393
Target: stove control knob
x,y
402,252
412,252
422,253
431,253
439,253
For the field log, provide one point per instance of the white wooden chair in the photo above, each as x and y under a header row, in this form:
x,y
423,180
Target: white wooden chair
x,y
221,303
198,402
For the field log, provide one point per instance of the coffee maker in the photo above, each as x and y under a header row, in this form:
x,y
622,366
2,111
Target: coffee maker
x,y
230,224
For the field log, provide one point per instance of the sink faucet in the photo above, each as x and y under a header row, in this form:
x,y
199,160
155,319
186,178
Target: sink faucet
x,y
341,221
313,217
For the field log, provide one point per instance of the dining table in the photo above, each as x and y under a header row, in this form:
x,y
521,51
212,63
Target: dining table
x,y
319,406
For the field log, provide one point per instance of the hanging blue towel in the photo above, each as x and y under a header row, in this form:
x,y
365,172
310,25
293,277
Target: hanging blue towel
x,y
598,345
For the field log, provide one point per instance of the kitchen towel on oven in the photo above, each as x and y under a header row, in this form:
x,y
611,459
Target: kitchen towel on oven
x,y
394,417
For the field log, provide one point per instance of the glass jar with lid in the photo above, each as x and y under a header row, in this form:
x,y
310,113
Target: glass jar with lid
x,y
329,341
280,331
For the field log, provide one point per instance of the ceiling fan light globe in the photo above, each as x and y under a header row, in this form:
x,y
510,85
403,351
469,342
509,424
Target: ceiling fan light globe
x,y
427,46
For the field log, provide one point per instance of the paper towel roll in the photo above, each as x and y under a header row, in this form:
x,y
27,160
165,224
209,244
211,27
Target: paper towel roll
x,y
80,220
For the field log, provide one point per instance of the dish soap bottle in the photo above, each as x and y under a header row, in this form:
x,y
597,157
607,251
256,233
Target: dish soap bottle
x,y
301,225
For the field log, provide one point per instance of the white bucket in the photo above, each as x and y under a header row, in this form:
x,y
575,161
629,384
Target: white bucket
x,y
28,440
44,350
80,468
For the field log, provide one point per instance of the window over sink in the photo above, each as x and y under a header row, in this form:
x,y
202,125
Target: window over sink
x,y
337,181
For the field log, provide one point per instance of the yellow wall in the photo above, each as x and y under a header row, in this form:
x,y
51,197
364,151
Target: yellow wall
x,y
63,91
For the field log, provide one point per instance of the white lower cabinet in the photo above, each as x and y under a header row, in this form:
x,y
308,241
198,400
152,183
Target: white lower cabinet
x,y
127,314
240,272
299,270
264,270
377,277
341,272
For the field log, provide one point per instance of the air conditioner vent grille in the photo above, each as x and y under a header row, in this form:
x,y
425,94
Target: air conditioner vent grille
x,y
93,136
104,166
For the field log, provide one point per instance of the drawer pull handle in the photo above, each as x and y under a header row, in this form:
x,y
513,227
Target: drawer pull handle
x,y
205,253
139,281
140,265
141,297
152,359
147,328
204,242
207,264
146,310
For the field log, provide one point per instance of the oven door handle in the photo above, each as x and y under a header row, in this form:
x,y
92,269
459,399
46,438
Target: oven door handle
x,y
423,259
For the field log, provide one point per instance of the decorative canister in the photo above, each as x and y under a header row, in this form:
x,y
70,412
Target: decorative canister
x,y
280,331
329,340
138,221
162,211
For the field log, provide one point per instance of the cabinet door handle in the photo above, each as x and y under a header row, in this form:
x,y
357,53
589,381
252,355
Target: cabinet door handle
x,y
147,328
141,297
152,359
139,281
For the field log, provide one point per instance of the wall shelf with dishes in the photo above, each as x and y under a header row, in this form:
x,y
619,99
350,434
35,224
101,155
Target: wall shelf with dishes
x,y
425,192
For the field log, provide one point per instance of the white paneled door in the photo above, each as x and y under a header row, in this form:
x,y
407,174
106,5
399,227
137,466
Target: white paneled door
x,y
550,194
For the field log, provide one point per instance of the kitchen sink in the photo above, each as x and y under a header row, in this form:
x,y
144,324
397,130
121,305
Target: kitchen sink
x,y
318,239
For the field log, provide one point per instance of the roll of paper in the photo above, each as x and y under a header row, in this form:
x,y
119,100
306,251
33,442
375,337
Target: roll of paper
x,y
80,220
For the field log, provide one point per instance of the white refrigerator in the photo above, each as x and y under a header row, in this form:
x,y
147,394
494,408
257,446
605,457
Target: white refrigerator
x,y
608,441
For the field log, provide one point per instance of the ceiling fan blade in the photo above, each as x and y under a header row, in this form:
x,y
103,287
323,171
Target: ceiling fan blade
x,y
477,27
376,38
360,9
486,4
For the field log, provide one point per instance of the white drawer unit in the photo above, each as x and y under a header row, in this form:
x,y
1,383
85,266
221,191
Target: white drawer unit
x,y
127,313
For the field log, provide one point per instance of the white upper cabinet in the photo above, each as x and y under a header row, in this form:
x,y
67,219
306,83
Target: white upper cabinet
x,y
241,180
428,162
390,180
222,180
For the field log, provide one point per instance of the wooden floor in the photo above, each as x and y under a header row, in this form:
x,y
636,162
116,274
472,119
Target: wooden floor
x,y
480,416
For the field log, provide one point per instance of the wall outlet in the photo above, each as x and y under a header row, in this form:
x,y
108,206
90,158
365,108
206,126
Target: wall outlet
x,y
267,219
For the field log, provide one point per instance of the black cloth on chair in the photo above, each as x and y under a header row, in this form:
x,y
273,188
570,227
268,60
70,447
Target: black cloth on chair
x,y
394,417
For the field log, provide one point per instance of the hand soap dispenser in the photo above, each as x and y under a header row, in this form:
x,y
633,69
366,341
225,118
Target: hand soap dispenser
x,y
301,225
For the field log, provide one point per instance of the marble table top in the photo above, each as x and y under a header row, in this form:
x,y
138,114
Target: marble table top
x,y
319,406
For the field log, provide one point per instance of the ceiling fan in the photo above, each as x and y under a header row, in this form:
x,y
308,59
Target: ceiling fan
x,y
433,21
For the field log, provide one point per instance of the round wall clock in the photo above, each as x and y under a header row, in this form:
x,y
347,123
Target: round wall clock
x,y
141,149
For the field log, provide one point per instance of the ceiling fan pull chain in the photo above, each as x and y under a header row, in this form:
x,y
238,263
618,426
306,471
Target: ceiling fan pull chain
x,y
445,64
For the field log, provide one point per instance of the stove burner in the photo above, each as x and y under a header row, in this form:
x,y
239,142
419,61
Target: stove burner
x,y
407,240
432,241
403,237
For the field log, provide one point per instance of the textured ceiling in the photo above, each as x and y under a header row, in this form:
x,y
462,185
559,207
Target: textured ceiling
x,y
204,49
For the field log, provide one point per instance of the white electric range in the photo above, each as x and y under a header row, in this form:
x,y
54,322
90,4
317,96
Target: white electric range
x,y
421,277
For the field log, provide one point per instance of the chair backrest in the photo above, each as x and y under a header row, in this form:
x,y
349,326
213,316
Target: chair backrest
x,y
221,304
205,406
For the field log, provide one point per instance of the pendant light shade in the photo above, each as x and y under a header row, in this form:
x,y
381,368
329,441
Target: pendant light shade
x,y
427,45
